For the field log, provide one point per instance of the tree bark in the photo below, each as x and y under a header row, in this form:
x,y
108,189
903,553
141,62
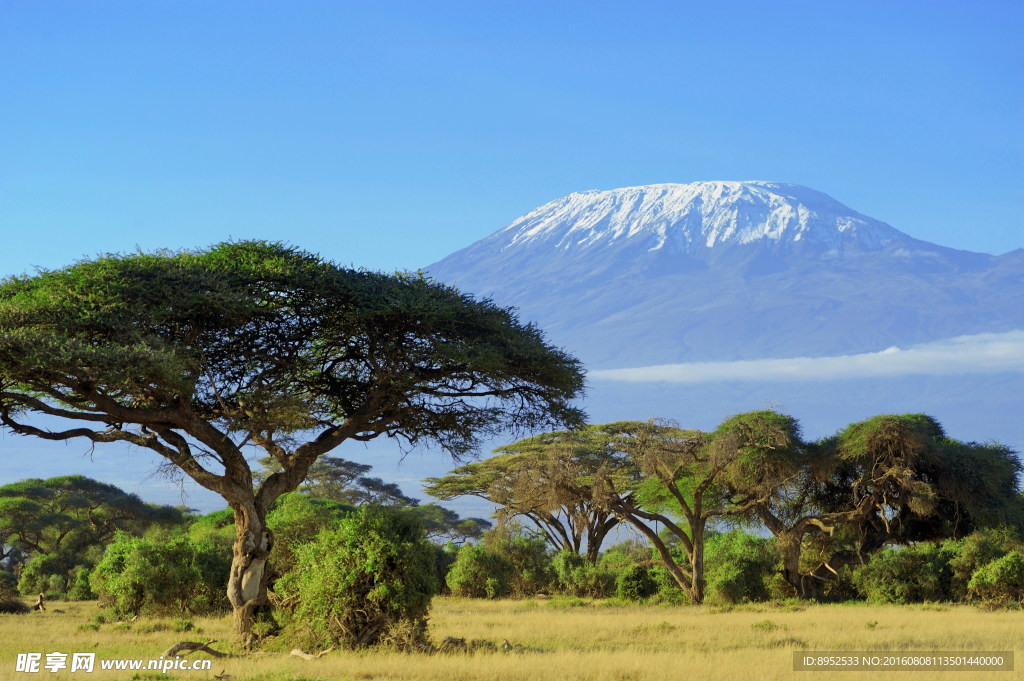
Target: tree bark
x,y
697,562
247,583
684,580
788,545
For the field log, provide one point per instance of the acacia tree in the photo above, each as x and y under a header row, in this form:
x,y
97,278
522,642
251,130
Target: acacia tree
x,y
677,477
887,480
70,513
580,484
196,355
341,480
536,478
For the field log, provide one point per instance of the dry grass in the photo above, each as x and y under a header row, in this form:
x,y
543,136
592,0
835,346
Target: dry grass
x,y
590,642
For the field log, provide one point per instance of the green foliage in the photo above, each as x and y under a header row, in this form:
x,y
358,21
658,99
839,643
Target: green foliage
x,y
907,575
578,577
444,559
80,589
297,519
624,554
479,572
45,574
1001,582
162,576
758,450
766,625
546,479
146,329
974,552
8,584
527,554
981,480
740,568
635,583
10,604
369,579
62,524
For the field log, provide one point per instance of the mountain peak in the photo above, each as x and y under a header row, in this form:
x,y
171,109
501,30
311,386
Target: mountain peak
x,y
690,217
717,271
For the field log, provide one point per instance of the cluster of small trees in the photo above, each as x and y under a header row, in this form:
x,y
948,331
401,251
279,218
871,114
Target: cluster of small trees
x,y
54,531
740,567
829,506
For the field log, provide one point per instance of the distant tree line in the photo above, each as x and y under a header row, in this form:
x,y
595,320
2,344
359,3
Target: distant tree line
x,y
823,519
889,510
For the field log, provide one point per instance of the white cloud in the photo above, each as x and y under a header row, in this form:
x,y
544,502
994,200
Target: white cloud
x,y
987,352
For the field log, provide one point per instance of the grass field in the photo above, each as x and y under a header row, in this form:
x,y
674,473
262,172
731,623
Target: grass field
x,y
560,639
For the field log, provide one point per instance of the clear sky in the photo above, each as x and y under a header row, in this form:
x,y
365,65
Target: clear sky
x,y
388,135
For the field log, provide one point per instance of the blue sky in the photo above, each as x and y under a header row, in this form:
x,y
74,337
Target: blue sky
x,y
388,135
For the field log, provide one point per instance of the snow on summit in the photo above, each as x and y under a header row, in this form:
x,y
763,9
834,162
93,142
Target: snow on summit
x,y
687,217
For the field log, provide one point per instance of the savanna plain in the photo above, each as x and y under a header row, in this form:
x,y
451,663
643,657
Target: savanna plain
x,y
552,638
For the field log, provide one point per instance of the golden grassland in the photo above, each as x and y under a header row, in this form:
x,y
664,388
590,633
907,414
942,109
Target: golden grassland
x,y
559,639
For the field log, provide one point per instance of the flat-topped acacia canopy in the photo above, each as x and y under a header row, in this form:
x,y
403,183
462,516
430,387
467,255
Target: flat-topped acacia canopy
x,y
198,354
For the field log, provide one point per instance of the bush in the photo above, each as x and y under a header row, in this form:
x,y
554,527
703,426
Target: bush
x,y
444,559
1001,582
369,580
577,577
974,552
80,589
739,568
907,575
479,572
297,519
635,583
172,576
620,556
528,557
46,574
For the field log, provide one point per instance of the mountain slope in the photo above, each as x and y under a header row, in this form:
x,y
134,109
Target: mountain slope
x,y
731,270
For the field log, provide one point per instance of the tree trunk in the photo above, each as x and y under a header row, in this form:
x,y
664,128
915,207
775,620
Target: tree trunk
x,y
684,580
247,584
789,546
697,564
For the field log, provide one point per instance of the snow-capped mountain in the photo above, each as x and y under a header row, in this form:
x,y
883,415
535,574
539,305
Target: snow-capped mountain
x,y
688,217
731,270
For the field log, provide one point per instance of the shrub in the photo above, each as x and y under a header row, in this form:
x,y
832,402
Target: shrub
x,y
297,519
444,559
974,552
577,577
479,572
622,555
1001,582
172,576
635,583
739,568
46,574
366,581
80,589
528,557
907,575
